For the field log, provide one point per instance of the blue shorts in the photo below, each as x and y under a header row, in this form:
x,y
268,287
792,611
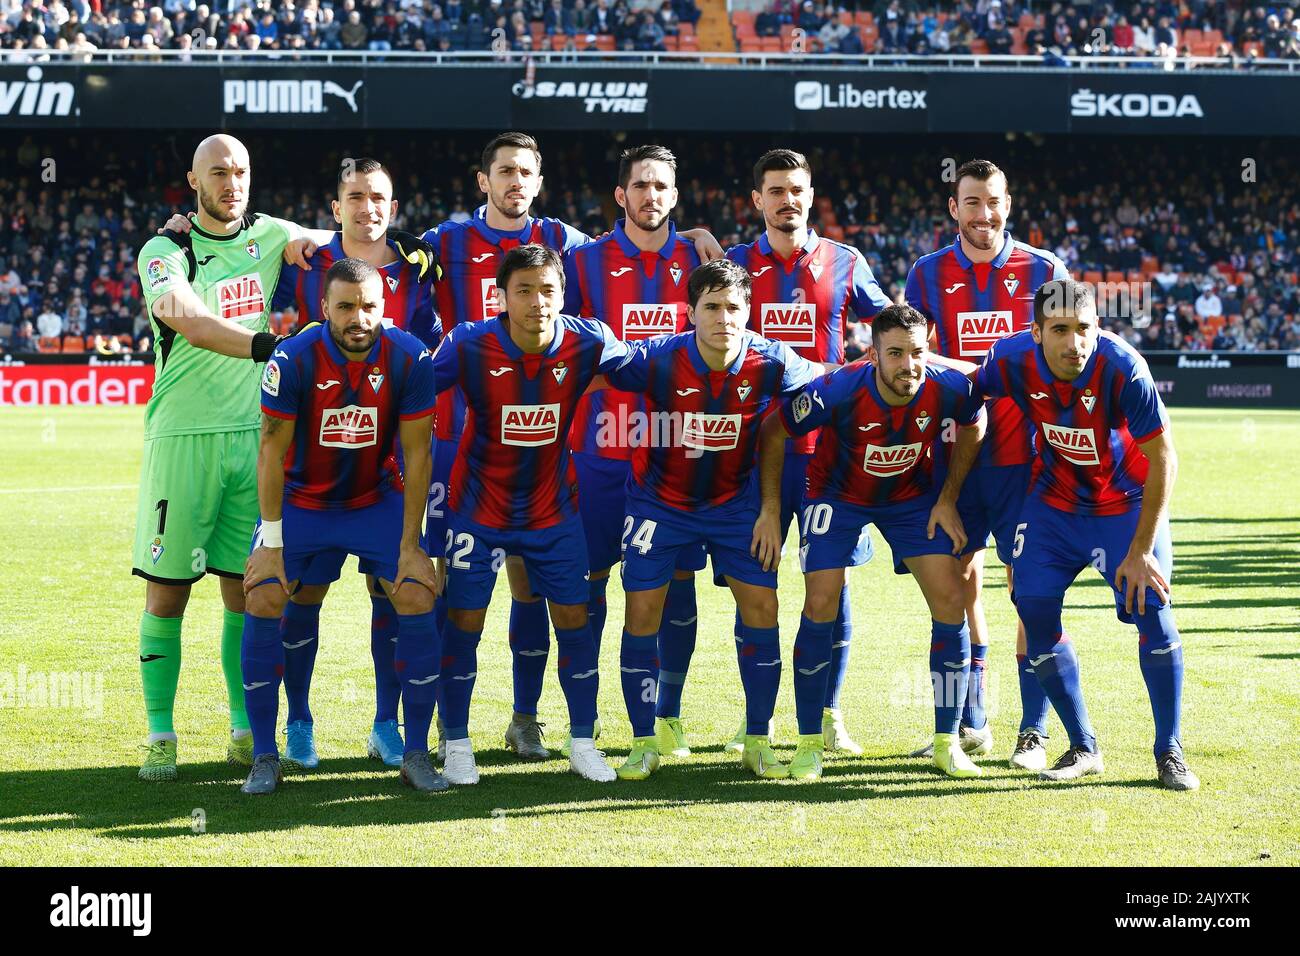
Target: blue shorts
x,y
990,503
316,543
602,503
435,524
835,533
657,535
794,482
1054,546
555,558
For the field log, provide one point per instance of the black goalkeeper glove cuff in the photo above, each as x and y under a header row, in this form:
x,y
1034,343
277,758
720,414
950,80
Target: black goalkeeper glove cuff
x,y
417,252
264,344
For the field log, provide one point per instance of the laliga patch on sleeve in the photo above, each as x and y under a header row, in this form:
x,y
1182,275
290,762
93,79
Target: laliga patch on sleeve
x,y
802,407
157,274
271,379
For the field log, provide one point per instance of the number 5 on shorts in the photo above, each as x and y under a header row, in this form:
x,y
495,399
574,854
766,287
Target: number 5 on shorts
x,y
644,535
1020,539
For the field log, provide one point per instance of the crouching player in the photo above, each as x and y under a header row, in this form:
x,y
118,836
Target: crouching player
x,y
1100,497
874,465
697,486
521,376
334,398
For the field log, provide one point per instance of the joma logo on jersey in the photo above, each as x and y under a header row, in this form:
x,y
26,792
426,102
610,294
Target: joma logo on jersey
x,y
352,426
491,301
795,324
240,298
647,321
529,425
710,432
890,461
1078,446
977,331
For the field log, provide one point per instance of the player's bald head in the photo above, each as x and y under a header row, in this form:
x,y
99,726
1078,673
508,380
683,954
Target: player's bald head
x,y
219,149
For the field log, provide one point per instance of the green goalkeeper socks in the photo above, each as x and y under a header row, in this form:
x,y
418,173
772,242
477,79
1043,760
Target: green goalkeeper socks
x,y
160,669
232,637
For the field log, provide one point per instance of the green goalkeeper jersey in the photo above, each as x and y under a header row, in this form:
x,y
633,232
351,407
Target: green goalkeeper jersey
x,y
195,390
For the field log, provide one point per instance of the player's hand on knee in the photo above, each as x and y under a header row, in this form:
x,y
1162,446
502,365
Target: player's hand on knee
x,y
944,515
414,565
1137,572
297,252
766,543
265,563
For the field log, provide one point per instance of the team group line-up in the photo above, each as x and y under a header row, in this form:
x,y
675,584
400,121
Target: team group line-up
x,y
506,392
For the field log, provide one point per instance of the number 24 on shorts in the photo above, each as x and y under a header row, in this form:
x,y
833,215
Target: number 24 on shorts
x,y
644,536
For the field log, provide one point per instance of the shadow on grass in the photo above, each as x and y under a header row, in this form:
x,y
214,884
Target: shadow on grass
x,y
1280,657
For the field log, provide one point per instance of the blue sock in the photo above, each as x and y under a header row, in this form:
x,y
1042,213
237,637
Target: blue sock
x,y
440,611
760,672
383,643
1052,656
1160,652
973,715
1033,701
299,633
596,609
417,660
456,685
676,645
262,662
949,672
738,631
841,635
812,661
579,677
639,670
530,645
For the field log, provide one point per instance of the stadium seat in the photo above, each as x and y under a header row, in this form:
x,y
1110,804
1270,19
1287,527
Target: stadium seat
x,y
48,344
1114,276
686,29
1254,47
745,31
671,44
1092,278
864,18
605,41
73,343
751,45
787,31
1018,42
126,341
690,44
1190,38
846,17
979,47
1213,36
1150,265
745,17
1026,21
1135,276
833,232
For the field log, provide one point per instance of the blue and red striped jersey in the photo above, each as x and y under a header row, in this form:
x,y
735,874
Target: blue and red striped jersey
x,y
870,452
701,446
1088,457
512,466
470,253
640,295
408,301
345,414
972,305
806,300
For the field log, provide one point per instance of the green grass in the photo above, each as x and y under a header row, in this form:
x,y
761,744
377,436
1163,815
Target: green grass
x,y
69,794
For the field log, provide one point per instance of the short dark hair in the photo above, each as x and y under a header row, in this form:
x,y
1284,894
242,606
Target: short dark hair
x,y
1057,298
779,160
349,270
637,154
534,255
350,168
896,317
981,169
715,275
509,138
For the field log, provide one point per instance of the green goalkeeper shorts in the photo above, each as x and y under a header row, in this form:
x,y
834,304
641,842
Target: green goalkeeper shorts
x,y
198,506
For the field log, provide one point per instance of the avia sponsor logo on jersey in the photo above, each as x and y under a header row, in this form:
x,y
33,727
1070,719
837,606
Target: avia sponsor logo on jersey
x,y
890,461
287,96
37,98
1134,105
530,425
794,323
977,331
241,298
596,97
1078,446
811,95
491,301
352,426
705,432
648,321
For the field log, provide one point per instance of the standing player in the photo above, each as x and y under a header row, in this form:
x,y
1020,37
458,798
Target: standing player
x,y
208,302
696,485
521,375
634,280
806,289
1101,489
875,464
334,400
363,208
975,291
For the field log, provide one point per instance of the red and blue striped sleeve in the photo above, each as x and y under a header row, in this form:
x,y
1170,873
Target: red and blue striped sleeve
x,y
285,287
445,363
633,374
572,287
990,379
1140,402
280,387
613,351
811,408
419,394
796,370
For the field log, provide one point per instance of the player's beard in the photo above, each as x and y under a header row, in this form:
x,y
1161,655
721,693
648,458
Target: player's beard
x,y
213,206
978,242
347,347
650,221
509,211
892,385
788,225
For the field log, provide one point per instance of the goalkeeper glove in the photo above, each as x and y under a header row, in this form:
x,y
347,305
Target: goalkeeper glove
x,y
417,252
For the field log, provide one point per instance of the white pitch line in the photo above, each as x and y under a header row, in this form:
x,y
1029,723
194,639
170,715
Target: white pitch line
x,y
48,490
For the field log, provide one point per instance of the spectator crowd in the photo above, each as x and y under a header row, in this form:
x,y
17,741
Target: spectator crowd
x,y
1216,255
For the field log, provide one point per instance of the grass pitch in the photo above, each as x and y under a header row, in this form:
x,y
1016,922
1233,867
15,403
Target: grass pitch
x,y
69,793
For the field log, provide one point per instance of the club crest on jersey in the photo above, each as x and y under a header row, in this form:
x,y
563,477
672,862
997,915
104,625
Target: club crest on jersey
x,y
675,271
743,389
240,298
794,323
376,379
815,268
648,320
923,420
530,425
977,331
271,378
1011,283
352,426
707,432
392,283
1078,446
156,549
559,372
1088,399
890,461
253,249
